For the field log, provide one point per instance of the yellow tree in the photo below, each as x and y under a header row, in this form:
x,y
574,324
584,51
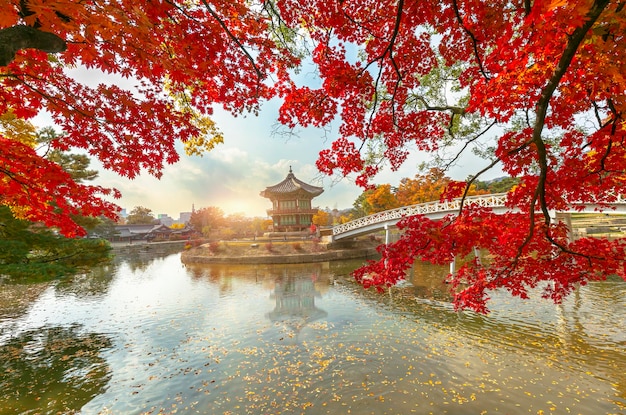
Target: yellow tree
x,y
381,198
322,218
18,129
345,218
423,188
427,188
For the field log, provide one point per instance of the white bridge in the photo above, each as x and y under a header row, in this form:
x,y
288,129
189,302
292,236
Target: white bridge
x,y
437,210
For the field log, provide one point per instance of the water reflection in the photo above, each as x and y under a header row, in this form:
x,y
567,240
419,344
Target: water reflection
x,y
91,285
218,339
52,370
295,301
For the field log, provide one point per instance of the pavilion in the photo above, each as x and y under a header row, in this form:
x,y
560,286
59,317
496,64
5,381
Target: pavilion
x,y
291,204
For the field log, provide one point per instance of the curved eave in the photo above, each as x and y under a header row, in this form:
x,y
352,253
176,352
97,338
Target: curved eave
x,y
291,185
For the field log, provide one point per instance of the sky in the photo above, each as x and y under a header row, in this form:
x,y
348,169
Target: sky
x,y
253,156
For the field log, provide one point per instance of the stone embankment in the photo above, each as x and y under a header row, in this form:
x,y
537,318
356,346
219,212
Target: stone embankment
x,y
284,252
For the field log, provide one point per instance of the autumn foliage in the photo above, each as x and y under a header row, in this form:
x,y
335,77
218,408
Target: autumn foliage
x,y
426,187
534,87
197,51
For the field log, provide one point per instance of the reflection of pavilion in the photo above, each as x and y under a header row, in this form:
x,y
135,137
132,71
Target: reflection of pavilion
x,y
295,301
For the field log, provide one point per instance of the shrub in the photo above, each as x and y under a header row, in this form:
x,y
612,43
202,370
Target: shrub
x,y
214,247
269,247
296,246
195,242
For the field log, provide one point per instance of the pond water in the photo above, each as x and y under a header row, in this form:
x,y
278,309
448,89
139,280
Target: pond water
x,y
149,335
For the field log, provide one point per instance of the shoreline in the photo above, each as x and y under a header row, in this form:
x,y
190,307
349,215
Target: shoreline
x,y
290,252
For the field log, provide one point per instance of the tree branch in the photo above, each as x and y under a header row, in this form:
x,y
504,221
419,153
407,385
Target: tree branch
x,y
472,38
19,37
544,101
234,39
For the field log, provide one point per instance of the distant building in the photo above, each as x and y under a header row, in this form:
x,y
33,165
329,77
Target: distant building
x,y
165,219
291,204
129,233
185,217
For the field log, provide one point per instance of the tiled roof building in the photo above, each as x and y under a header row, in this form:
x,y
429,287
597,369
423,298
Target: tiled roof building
x,y
291,203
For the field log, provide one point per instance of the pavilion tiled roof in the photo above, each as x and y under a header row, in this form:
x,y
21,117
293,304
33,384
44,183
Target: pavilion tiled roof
x,y
292,184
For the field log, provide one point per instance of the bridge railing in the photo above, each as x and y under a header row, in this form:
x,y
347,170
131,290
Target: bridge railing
x,y
495,200
491,200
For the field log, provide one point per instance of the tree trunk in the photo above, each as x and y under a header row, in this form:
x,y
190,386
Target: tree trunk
x,y
19,37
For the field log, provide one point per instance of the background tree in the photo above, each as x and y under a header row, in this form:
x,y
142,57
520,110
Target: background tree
x,y
499,185
45,186
76,165
260,225
31,252
345,218
140,216
105,228
34,249
238,224
361,206
381,198
423,188
428,187
322,218
207,220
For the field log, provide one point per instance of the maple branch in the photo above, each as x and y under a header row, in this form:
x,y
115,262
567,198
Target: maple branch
x,y
455,6
574,40
541,109
617,115
394,35
470,182
467,143
19,37
527,7
452,108
278,29
234,39
56,100
388,51
25,184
